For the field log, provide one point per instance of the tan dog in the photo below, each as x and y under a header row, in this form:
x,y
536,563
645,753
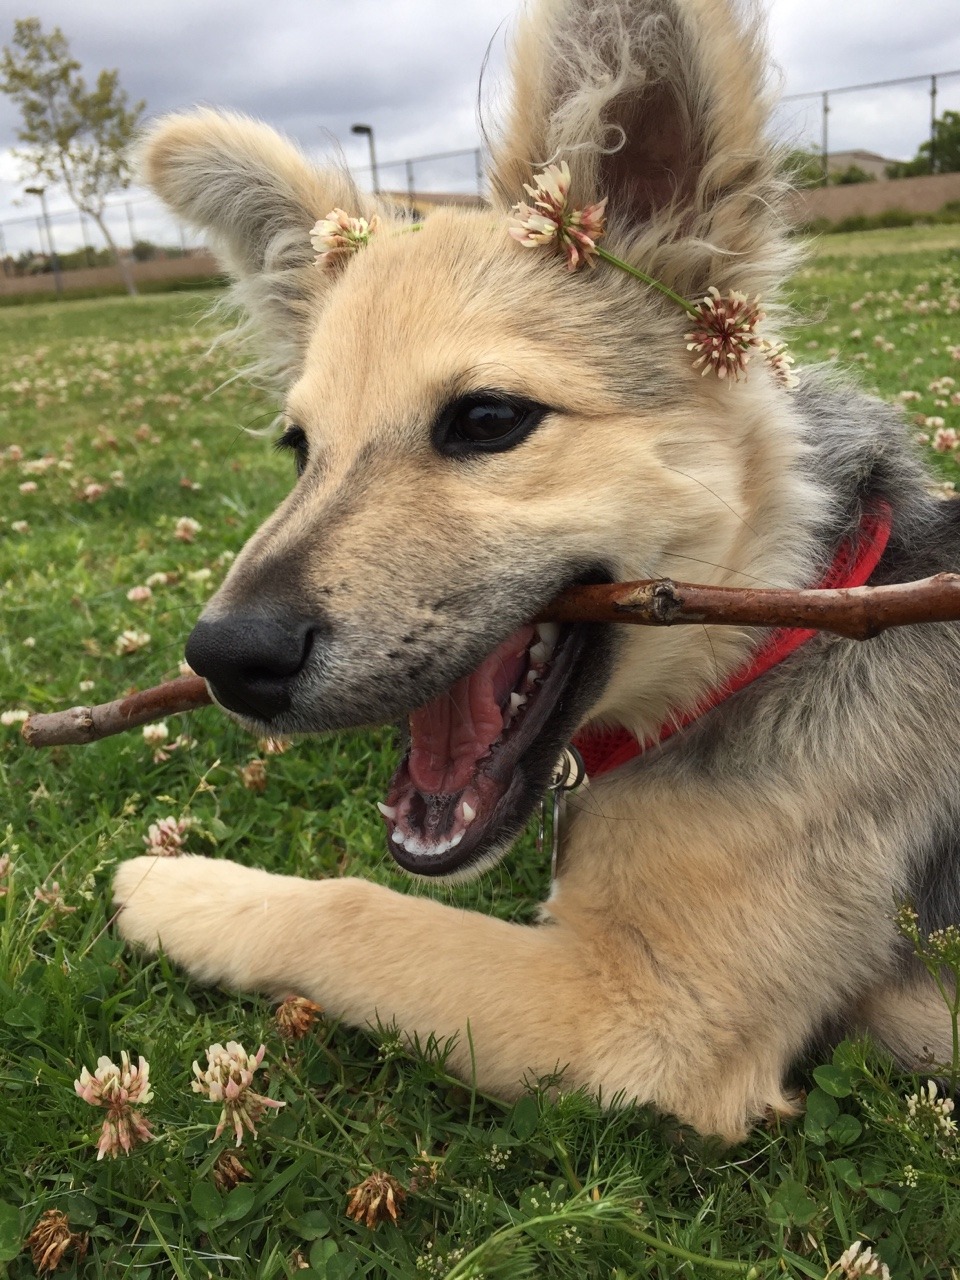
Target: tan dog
x,y
476,428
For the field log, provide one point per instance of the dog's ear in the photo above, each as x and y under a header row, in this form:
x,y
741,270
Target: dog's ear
x,y
661,106
257,197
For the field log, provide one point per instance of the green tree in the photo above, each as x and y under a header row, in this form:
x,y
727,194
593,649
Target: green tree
x,y
941,154
71,136
805,167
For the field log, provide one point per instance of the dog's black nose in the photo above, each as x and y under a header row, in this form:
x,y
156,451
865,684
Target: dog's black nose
x,y
250,662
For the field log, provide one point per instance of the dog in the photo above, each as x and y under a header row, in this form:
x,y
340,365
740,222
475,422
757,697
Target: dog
x,y
474,429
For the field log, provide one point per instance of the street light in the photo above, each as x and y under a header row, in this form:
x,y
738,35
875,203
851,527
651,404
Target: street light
x,y
55,261
365,129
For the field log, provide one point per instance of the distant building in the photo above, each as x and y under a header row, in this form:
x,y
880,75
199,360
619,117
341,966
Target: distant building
x,y
868,161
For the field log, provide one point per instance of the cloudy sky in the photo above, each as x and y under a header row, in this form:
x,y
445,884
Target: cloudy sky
x,y
410,68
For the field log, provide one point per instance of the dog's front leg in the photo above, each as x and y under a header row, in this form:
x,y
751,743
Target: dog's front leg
x,y
514,996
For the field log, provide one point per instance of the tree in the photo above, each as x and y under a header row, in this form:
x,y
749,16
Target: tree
x,y
805,167
941,154
71,135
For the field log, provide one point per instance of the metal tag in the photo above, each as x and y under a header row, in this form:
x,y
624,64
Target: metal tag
x,y
568,774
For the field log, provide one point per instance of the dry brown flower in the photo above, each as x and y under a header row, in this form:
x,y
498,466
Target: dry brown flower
x,y
51,1239
229,1171
376,1199
295,1017
725,333
254,775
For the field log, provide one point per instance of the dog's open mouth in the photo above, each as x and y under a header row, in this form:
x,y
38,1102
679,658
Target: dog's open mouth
x,y
459,786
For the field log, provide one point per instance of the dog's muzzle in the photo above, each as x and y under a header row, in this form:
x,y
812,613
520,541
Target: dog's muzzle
x,y
251,663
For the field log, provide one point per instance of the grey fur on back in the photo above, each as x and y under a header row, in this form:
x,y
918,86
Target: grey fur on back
x,y
878,718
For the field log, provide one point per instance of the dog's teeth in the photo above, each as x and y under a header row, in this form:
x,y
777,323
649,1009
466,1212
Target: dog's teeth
x,y
468,811
456,839
532,677
549,634
517,700
398,837
388,810
540,654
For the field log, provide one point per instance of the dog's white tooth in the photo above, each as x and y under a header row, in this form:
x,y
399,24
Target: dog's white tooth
x,y
539,654
532,677
517,700
456,839
398,837
388,810
468,811
549,633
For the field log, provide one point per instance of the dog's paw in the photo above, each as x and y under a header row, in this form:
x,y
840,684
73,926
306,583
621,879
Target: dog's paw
x,y
201,911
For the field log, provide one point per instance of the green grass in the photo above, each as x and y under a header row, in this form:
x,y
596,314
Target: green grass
x,y
543,1188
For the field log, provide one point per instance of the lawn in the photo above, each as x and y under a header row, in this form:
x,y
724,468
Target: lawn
x,y
125,463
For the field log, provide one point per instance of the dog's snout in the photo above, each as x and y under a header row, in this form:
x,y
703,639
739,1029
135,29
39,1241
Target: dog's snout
x,y
251,662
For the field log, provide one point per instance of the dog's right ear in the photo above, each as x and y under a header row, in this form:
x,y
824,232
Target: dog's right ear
x,y
257,197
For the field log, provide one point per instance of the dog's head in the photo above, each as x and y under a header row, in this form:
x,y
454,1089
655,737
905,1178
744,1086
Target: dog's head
x,y
474,428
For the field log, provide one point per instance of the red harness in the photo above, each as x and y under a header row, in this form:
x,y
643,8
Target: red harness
x,y
606,749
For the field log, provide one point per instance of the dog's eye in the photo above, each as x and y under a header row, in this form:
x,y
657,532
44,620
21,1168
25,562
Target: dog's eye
x,y
485,423
295,439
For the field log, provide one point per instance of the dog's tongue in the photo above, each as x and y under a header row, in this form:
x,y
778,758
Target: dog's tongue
x,y
451,734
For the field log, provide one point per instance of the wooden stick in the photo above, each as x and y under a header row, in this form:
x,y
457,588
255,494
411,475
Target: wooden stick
x,y
80,725
858,613
855,612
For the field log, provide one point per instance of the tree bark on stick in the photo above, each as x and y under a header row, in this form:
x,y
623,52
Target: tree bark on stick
x,y
858,613
81,725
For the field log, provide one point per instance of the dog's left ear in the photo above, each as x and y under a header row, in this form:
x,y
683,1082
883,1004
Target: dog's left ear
x,y
661,106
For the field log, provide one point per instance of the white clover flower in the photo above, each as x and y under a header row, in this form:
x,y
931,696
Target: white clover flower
x,y
118,1089
945,439
130,641
227,1080
339,234
165,838
155,734
552,221
859,1261
186,529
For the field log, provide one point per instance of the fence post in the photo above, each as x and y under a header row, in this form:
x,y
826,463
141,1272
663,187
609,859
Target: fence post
x,y
478,166
933,124
411,185
826,138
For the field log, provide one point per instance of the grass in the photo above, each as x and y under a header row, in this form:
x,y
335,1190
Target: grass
x,y
122,394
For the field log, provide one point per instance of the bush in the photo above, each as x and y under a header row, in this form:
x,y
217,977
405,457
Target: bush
x,y
949,215
850,176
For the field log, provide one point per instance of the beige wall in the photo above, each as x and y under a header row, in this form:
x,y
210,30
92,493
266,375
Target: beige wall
x,y
916,195
196,266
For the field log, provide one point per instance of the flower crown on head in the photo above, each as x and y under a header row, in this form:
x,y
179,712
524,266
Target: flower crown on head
x,y
724,333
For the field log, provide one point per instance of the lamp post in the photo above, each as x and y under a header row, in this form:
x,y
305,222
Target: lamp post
x,y
366,129
54,260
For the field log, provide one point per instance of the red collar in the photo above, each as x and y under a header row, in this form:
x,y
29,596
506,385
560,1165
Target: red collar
x,y
606,749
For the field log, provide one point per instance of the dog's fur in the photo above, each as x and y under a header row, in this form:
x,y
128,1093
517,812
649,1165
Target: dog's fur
x,y
727,899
